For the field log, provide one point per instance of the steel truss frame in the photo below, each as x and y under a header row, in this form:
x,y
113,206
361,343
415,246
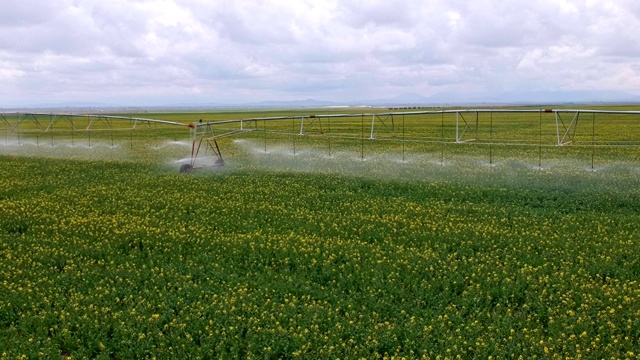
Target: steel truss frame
x,y
203,135
203,132
13,120
467,124
465,121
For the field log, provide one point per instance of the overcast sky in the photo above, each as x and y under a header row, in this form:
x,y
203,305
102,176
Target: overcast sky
x,y
158,52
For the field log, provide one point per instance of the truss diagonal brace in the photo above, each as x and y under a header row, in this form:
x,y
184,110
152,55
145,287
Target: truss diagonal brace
x,y
567,129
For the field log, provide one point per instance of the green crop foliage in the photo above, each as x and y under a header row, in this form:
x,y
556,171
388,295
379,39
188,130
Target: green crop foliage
x,y
318,247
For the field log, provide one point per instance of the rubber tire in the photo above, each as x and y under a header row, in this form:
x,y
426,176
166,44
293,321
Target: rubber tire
x,y
186,168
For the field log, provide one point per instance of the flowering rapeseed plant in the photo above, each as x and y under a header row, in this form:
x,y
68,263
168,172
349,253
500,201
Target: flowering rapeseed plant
x,y
123,259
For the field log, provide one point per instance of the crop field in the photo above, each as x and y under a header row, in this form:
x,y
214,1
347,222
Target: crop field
x,y
327,245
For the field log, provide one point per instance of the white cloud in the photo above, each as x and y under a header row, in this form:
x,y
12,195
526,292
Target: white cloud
x,y
9,72
162,50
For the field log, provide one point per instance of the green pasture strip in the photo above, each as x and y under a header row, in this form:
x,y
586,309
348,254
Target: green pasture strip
x,y
496,126
112,259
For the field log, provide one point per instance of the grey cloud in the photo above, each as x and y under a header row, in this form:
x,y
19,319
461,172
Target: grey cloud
x,y
70,30
361,14
281,49
26,13
512,24
255,23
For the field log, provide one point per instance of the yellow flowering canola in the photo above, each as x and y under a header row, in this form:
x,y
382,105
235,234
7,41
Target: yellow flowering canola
x,y
127,259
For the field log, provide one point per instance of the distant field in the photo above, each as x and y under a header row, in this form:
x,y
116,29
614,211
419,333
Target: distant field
x,y
492,136
328,245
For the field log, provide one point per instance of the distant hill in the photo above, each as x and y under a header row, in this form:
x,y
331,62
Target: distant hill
x,y
547,98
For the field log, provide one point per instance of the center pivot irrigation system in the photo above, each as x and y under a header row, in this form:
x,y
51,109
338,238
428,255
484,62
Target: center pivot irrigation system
x,y
489,127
